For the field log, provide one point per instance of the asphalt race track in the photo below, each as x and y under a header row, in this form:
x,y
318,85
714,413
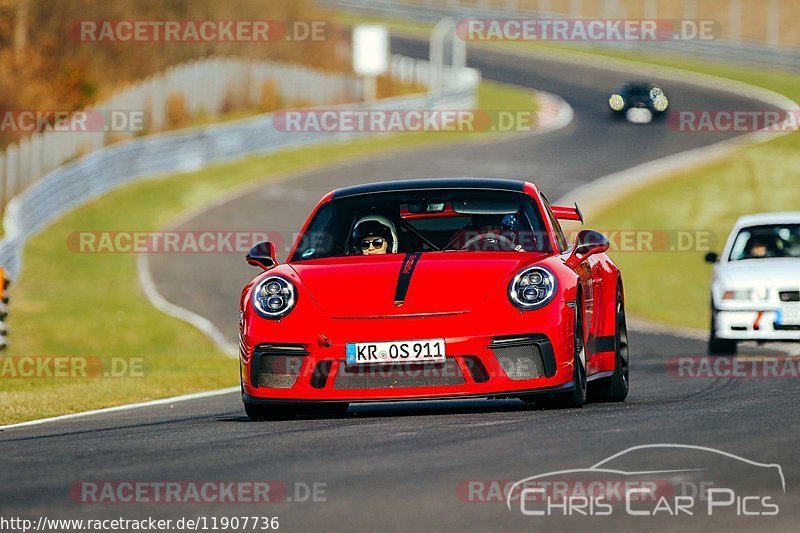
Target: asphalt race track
x,y
393,467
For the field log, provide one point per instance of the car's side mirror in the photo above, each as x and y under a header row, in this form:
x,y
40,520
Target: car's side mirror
x,y
262,255
712,257
587,243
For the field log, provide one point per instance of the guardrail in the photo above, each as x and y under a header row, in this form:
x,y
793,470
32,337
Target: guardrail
x,y
756,54
98,172
208,85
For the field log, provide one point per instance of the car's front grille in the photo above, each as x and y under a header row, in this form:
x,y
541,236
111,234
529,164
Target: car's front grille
x,y
784,327
524,357
789,296
277,366
398,376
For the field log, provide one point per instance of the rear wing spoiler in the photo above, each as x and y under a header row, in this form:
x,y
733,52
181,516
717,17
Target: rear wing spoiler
x,y
567,213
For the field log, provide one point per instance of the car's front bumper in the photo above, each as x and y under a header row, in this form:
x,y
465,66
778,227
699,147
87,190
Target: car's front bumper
x,y
507,356
753,324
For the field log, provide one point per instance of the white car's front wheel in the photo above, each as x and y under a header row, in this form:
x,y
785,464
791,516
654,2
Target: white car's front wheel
x,y
717,346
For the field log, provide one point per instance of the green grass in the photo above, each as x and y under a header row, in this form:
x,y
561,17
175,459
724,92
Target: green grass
x,y
72,304
673,287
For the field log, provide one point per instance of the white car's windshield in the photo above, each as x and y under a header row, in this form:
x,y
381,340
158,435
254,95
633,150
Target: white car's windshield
x,y
766,241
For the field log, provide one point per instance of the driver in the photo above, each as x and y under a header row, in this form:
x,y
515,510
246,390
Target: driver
x,y
757,249
373,235
489,232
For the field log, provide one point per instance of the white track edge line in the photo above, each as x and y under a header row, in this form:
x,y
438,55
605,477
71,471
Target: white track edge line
x,y
162,304
125,407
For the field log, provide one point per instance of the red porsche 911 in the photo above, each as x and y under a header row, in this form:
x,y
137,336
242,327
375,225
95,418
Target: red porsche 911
x,y
433,289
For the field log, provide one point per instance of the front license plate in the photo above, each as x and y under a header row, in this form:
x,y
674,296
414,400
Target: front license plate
x,y
420,351
788,317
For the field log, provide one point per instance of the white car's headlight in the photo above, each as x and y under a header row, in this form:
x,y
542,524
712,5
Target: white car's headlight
x,y
274,297
660,102
532,288
616,102
747,295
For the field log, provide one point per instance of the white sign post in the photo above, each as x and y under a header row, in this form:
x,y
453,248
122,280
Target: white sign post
x,y
445,29
370,56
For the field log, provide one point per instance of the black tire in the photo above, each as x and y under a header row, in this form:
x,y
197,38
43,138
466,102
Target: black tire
x,y
618,116
717,346
577,396
262,412
615,387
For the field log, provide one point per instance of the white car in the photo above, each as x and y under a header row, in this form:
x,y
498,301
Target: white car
x,y
755,291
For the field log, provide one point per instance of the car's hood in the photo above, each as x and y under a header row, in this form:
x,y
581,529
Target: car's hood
x,y
441,282
779,272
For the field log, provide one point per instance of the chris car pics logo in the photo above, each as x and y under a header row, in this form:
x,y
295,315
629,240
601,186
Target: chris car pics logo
x,y
656,480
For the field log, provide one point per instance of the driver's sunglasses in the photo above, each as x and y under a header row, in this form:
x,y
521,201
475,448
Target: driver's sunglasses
x,y
377,243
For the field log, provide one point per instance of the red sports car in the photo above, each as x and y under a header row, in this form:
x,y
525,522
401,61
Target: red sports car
x,y
432,289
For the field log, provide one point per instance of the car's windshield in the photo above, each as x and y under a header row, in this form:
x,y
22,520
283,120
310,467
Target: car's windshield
x,y
635,90
774,240
639,90
424,221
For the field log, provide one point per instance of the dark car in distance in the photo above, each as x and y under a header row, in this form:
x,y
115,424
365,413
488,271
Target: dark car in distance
x,y
638,102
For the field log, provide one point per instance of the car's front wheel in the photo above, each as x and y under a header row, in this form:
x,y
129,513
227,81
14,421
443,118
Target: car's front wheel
x,y
717,346
615,387
577,396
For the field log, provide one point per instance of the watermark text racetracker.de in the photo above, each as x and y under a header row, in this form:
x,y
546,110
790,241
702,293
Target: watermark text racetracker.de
x,y
236,241
85,121
734,120
197,31
71,367
211,241
587,30
740,367
656,240
404,120
182,492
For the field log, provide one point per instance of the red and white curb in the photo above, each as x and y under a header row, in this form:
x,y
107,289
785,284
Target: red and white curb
x,y
553,114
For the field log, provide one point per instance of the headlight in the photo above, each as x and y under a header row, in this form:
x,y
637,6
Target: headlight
x,y
660,102
274,297
532,288
749,295
616,102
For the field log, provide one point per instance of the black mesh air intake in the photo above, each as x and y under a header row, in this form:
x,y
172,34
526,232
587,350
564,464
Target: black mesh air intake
x,y
524,357
276,366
